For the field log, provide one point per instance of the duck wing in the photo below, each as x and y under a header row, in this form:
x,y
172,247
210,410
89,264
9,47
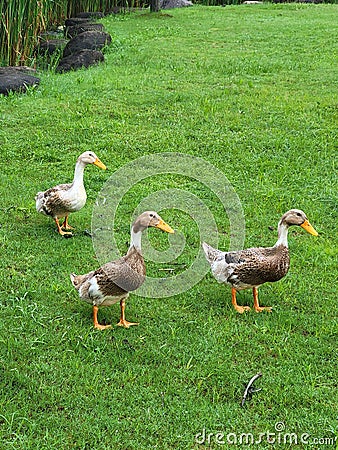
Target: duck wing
x,y
259,265
113,279
126,273
117,277
54,200
250,267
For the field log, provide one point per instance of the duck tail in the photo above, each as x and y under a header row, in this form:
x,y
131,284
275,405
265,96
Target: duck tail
x,y
76,280
39,201
211,253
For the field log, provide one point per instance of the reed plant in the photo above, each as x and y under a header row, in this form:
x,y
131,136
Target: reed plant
x,y
22,21
21,24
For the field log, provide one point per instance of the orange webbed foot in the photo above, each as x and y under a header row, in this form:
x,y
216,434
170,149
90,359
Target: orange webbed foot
x,y
238,308
263,308
242,309
256,303
124,323
101,327
66,225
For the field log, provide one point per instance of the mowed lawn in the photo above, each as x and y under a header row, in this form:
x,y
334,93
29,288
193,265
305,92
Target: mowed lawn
x,y
250,89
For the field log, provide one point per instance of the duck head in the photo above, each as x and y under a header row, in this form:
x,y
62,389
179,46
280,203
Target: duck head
x,y
90,158
298,217
150,219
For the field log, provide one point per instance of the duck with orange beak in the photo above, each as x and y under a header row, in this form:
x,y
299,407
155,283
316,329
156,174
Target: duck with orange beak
x,y
113,281
250,268
63,199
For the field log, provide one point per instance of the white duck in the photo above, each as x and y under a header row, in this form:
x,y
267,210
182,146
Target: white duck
x,y
63,199
113,281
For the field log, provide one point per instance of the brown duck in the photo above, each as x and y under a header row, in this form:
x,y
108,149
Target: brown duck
x,y
246,269
113,281
63,199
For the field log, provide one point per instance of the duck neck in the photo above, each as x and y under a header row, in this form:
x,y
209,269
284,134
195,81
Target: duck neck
x,y
282,234
135,240
78,174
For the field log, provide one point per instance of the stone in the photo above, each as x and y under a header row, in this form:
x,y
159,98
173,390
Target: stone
x,y
169,4
84,58
76,21
74,30
49,47
16,79
90,40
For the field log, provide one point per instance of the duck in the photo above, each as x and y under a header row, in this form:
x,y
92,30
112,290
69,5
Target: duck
x,y
113,281
252,267
63,199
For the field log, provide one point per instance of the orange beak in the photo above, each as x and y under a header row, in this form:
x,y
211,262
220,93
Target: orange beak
x,y
309,228
100,164
164,226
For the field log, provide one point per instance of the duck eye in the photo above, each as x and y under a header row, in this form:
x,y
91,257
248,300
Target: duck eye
x,y
151,215
299,214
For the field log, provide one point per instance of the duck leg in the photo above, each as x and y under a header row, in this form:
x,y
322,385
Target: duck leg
x,y
123,322
256,304
66,225
60,230
238,308
96,323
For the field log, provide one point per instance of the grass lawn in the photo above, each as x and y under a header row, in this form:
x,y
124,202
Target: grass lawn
x,y
253,91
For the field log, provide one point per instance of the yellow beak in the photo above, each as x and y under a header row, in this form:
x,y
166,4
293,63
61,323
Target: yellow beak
x,y
100,164
164,226
309,228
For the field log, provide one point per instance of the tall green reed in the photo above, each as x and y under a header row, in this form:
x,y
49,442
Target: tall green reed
x,y
22,21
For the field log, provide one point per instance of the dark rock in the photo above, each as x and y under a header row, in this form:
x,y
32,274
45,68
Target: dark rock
x,y
169,4
90,15
76,21
50,47
73,31
90,40
84,58
16,79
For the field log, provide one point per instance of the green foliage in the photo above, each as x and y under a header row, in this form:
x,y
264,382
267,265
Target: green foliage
x,y
239,2
21,24
250,90
23,21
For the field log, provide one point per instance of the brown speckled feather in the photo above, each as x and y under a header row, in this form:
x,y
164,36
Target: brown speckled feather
x,y
52,201
123,275
248,268
114,279
259,265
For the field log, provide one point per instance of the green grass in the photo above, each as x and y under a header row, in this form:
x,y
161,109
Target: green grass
x,y
253,91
